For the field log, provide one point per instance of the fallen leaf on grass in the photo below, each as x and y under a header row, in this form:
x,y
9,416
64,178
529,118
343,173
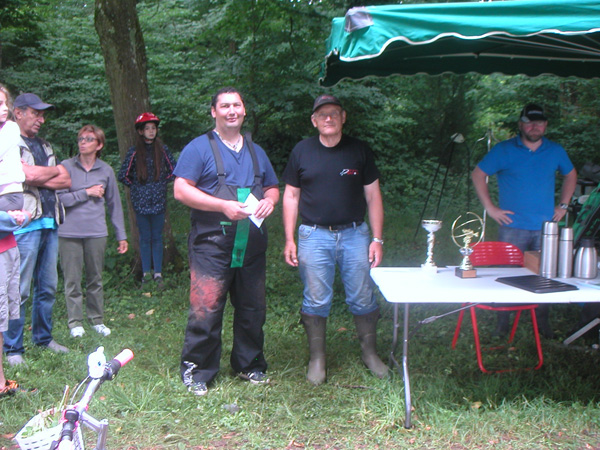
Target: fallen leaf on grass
x,y
149,312
173,438
131,316
147,294
230,435
476,405
294,444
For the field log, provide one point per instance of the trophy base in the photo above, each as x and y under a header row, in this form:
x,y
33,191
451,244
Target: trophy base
x,y
462,273
429,268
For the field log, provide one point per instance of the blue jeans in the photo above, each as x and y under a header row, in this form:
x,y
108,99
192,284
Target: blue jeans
x,y
524,239
151,227
319,250
39,254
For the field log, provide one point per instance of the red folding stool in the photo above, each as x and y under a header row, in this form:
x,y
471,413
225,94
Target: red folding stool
x,y
499,254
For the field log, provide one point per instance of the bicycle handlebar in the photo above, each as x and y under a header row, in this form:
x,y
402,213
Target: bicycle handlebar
x,y
112,367
72,415
124,357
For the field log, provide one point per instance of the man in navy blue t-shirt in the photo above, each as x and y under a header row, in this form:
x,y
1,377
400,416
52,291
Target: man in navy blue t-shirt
x,y
220,174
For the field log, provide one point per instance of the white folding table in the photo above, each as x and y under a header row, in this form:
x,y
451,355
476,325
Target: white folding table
x,y
414,285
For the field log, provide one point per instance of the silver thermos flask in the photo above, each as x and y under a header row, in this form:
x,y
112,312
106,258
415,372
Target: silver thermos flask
x,y
565,253
549,256
586,260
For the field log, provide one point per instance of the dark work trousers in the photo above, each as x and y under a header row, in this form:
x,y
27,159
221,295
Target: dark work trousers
x,y
212,278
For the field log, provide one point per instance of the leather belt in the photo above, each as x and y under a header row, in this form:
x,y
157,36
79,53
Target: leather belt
x,y
336,227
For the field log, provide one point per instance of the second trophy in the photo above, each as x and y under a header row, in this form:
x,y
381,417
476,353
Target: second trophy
x,y
469,231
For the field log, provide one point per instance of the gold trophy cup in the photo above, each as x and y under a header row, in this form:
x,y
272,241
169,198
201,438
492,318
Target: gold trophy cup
x,y
431,226
468,230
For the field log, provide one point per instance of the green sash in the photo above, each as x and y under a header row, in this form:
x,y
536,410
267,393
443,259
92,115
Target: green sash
x,y
241,234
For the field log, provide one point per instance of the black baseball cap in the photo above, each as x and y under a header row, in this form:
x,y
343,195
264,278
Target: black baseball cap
x,y
532,112
32,101
326,99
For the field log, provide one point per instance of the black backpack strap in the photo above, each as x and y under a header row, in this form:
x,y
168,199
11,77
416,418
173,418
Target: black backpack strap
x,y
257,176
218,160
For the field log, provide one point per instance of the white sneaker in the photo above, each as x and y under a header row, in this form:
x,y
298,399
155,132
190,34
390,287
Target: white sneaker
x,y
15,360
77,332
102,329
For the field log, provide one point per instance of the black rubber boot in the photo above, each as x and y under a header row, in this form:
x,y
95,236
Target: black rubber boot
x,y
542,313
366,327
315,327
501,324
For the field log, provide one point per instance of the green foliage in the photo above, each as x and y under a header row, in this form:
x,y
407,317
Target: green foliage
x,y
272,50
19,31
66,69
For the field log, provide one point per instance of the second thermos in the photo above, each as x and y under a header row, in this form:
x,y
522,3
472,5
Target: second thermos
x,y
565,253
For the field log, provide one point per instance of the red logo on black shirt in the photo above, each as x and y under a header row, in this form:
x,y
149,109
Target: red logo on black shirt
x,y
349,172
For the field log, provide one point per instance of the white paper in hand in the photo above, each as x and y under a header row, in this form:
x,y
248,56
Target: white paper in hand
x,y
251,205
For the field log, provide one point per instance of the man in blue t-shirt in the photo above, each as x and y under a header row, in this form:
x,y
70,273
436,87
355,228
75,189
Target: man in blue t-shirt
x,y
221,175
526,167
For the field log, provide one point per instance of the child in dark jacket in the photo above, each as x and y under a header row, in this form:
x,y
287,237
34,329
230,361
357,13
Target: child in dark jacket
x,y
146,170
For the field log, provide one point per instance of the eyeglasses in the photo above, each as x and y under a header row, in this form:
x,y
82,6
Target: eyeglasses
x,y
86,139
333,115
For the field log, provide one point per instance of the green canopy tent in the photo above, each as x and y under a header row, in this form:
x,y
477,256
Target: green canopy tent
x,y
530,37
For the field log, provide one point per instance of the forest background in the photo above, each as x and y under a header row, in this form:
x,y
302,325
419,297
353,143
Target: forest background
x,y
272,51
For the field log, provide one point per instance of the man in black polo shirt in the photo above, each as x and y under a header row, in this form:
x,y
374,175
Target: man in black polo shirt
x,y
331,180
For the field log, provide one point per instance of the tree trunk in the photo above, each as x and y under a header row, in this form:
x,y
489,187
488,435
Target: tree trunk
x,y
124,52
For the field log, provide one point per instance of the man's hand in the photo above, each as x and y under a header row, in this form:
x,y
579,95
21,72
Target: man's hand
x,y
264,208
95,191
559,213
289,253
28,170
123,246
375,253
234,210
501,216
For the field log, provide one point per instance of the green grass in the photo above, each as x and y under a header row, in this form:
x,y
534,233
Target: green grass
x,y
455,405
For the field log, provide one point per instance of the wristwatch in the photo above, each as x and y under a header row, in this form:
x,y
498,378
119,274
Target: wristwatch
x,y
563,206
379,241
